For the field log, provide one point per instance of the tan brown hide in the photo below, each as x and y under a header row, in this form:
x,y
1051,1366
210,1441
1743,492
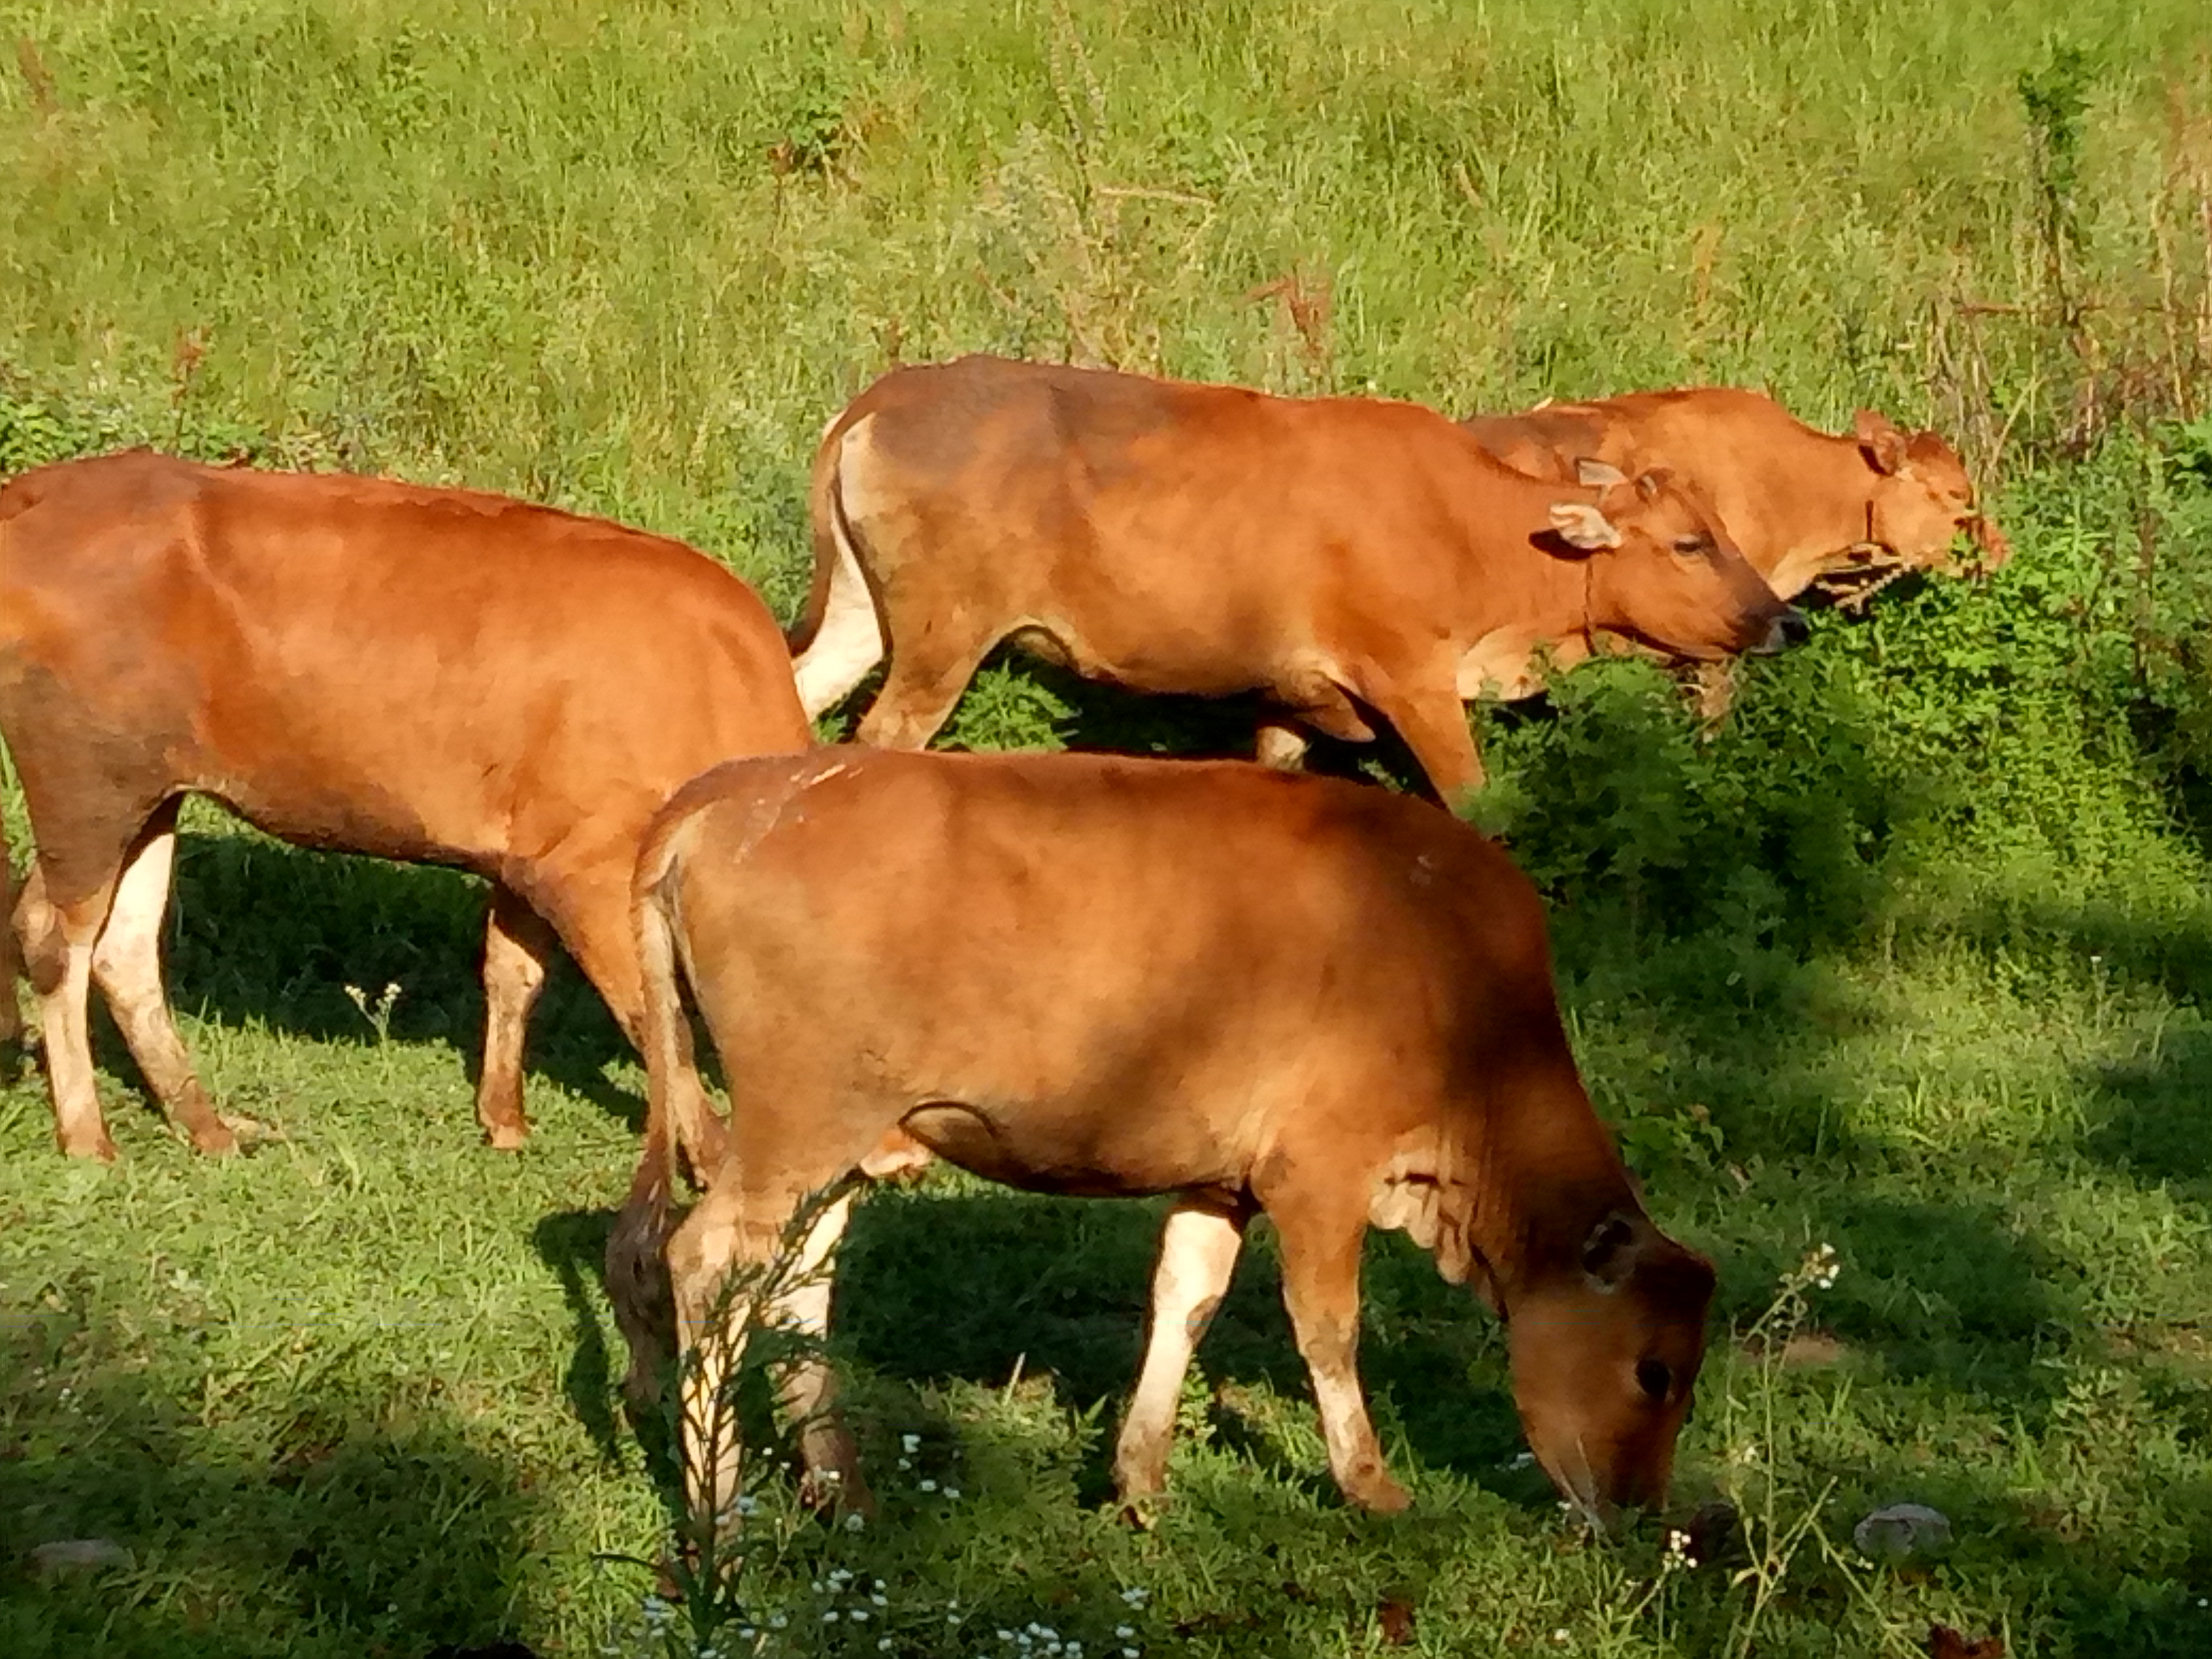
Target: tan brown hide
x,y
431,674
1342,556
1258,992
1803,506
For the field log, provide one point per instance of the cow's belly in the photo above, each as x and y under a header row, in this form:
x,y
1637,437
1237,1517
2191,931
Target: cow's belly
x,y
1168,655
1131,1153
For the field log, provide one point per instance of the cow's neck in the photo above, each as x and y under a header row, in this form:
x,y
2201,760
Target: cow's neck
x,y
1797,534
1547,1175
1508,633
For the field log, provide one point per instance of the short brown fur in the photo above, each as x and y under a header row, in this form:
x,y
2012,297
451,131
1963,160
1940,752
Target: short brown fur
x,y
1257,992
1802,504
432,675
1338,554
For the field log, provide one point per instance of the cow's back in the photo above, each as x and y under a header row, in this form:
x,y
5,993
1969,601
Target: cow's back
x,y
1204,947
1174,536
355,662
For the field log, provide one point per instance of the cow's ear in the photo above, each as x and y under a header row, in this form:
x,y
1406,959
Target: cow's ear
x,y
1595,474
1882,444
1580,524
1609,1252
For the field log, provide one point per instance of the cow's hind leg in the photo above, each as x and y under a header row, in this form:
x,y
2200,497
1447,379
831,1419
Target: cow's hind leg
x,y
57,943
929,670
1322,1234
126,964
729,1232
1198,1252
807,1385
518,950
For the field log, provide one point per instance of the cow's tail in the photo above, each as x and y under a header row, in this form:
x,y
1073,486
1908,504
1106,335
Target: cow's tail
x,y
637,1267
838,638
11,955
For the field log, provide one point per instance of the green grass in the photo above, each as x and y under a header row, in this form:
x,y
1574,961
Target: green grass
x,y
1913,958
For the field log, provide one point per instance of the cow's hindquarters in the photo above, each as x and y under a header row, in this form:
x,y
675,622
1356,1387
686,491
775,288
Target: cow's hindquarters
x,y
842,637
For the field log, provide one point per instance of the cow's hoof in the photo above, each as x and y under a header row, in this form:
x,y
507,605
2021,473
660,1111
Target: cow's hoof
x,y
837,1493
99,1147
1140,1511
506,1137
1379,1494
216,1140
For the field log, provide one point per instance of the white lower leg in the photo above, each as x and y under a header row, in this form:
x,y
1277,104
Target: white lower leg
x,y
63,1017
1198,1252
808,1387
127,967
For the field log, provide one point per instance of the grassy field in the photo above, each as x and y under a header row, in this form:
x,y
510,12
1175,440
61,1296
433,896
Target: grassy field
x,y
1912,957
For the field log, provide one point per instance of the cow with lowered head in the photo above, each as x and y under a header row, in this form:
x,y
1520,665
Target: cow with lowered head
x,y
1344,557
1256,993
1804,505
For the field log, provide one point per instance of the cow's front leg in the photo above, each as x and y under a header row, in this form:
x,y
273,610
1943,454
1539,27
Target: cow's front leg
x,y
1198,1252
1431,721
126,965
519,947
1320,1285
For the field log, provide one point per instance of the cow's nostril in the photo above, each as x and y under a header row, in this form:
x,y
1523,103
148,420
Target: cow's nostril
x,y
1788,629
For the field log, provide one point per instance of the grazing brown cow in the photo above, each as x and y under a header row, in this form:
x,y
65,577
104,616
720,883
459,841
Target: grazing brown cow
x,y
1801,504
1260,993
1210,540
432,675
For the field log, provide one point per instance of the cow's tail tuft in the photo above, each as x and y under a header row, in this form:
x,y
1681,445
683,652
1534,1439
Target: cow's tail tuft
x,y
637,1267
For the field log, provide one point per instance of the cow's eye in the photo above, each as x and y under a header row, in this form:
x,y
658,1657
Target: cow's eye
x,y
1692,544
1654,1378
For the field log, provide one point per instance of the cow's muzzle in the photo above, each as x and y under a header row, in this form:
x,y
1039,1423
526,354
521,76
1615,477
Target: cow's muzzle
x,y
1994,548
1787,629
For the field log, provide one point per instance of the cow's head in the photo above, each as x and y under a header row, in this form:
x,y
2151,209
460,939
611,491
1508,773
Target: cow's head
x,y
1663,571
1606,1348
1922,501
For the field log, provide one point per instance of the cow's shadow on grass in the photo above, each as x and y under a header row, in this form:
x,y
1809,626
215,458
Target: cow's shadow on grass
x,y
2146,1119
370,1522
264,934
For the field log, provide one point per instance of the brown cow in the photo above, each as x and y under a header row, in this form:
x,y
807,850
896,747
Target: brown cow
x,y
433,675
1261,993
1206,539
1801,505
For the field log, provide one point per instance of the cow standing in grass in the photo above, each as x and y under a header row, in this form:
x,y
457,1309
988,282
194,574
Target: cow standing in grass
x,y
437,676
1803,506
1262,994
1342,556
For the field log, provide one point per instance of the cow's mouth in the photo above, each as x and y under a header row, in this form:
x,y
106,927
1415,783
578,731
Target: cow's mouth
x,y
1579,1488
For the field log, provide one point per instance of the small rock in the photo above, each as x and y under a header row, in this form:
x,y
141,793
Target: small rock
x,y
79,1555
1897,1530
